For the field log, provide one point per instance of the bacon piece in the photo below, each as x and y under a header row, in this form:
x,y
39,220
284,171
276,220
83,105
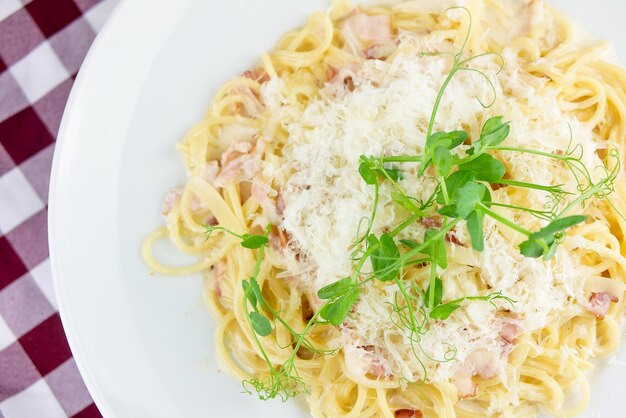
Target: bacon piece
x,y
380,51
250,106
510,332
210,172
264,195
379,368
170,200
211,220
465,386
483,363
341,81
375,29
279,238
407,413
257,74
280,205
431,222
599,303
241,161
451,237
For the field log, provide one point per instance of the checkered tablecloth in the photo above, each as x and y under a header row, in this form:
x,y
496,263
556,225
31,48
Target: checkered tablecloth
x,y
42,45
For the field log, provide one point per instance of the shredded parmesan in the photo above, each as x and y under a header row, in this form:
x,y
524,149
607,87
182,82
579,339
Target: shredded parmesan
x,y
387,113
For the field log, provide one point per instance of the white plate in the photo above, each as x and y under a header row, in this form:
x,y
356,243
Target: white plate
x,y
144,344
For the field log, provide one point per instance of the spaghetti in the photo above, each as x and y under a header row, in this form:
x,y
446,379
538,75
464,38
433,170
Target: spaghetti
x,y
279,151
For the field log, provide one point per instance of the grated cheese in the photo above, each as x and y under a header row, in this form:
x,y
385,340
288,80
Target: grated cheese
x,y
387,114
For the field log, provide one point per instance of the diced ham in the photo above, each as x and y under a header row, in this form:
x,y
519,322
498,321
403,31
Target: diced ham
x,y
452,238
599,303
250,105
407,413
510,332
264,195
465,386
257,74
374,29
170,200
210,171
380,51
279,238
434,222
480,362
280,205
241,161
483,363
367,361
431,222
236,149
380,368
341,81
211,220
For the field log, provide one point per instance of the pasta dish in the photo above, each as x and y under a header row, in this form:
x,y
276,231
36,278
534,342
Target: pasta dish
x,y
413,209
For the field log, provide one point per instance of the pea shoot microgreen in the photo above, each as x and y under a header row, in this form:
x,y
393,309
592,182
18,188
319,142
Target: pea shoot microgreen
x,y
466,176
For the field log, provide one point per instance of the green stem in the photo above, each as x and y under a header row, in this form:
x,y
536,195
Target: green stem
x,y
581,198
526,185
258,342
432,284
408,221
417,261
531,151
414,326
545,213
431,122
417,250
504,220
403,159
444,190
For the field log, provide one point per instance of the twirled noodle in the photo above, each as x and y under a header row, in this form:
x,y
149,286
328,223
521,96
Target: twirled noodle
x,y
545,365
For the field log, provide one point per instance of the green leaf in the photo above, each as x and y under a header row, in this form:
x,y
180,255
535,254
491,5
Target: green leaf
x,y
385,257
250,295
494,131
335,289
367,172
409,243
454,182
558,225
485,168
449,140
544,242
449,210
336,311
260,324
475,229
467,197
438,293
394,174
531,248
442,158
256,290
442,312
253,241
436,248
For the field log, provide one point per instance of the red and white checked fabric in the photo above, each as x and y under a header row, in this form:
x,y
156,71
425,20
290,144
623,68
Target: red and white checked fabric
x,y
42,45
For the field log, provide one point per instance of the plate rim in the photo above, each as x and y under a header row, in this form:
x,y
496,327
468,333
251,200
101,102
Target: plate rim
x,y
62,144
